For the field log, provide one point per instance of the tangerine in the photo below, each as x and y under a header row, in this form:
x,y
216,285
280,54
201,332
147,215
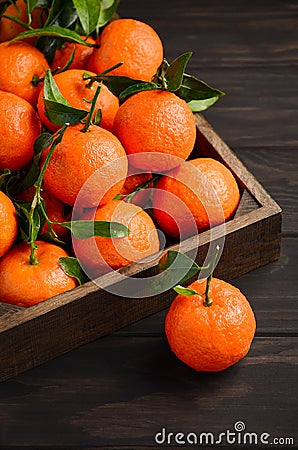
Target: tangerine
x,y
194,196
132,42
8,223
99,254
157,127
96,158
24,284
20,126
9,29
210,338
81,55
74,89
21,68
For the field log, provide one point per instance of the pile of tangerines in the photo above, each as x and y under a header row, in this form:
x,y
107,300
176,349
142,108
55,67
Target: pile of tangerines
x,y
93,130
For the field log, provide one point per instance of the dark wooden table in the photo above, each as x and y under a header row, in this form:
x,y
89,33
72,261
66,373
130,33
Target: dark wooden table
x,y
123,389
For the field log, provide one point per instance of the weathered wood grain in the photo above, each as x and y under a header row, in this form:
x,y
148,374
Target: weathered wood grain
x,y
272,291
81,399
224,34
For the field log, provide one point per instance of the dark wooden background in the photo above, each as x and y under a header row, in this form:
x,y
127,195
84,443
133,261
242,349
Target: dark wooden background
x,y
121,390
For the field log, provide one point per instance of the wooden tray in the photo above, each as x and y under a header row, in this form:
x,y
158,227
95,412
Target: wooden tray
x,y
32,336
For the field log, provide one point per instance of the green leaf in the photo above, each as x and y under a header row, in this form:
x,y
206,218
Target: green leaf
x,y
108,9
60,114
51,90
117,84
42,142
31,4
138,87
202,105
175,72
62,13
83,229
198,94
57,108
72,268
52,31
186,291
184,266
89,14
30,177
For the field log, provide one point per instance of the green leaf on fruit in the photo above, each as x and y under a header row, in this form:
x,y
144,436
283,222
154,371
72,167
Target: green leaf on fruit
x,y
52,31
138,87
72,268
175,71
84,229
42,142
108,9
57,108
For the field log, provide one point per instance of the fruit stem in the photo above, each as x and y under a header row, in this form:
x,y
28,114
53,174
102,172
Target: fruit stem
x,y
37,199
93,78
140,187
91,112
208,300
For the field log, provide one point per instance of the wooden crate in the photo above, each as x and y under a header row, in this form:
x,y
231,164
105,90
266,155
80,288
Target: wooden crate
x,y
32,336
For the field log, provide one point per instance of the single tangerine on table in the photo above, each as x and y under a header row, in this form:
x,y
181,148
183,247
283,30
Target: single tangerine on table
x,y
25,284
21,68
75,89
132,42
81,55
8,223
99,254
205,188
210,338
20,126
96,158
158,128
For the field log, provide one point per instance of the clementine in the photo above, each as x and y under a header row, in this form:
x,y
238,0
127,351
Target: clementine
x,y
21,67
210,338
96,158
132,42
194,196
8,223
74,89
20,126
157,127
99,254
81,55
24,284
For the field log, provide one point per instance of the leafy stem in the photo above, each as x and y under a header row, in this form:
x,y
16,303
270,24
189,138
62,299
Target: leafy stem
x,y
208,300
141,187
92,109
37,199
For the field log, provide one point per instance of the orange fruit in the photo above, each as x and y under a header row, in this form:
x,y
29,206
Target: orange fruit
x,y
8,223
100,254
81,55
157,128
132,42
54,208
21,65
10,29
194,196
210,338
20,126
97,154
73,87
24,284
